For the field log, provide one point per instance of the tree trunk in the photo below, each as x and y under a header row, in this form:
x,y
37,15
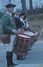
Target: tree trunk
x,y
24,8
31,6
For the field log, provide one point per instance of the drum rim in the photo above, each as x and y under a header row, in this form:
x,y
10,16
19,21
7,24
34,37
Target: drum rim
x,y
24,35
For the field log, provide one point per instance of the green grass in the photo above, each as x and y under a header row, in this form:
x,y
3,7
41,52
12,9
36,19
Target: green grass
x,y
36,22
35,17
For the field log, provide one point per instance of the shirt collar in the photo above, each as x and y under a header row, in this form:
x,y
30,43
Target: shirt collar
x,y
9,13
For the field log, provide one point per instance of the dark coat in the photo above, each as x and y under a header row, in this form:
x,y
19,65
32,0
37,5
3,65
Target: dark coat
x,y
18,22
7,26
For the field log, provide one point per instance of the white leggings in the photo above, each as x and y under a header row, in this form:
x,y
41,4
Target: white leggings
x,y
10,46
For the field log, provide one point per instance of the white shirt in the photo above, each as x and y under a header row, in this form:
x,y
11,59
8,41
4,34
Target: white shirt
x,y
22,20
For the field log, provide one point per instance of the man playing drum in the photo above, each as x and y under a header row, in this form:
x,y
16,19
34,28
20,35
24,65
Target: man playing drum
x,y
9,28
18,22
20,28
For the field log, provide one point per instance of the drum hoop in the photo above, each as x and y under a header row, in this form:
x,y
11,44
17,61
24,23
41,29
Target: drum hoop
x,y
27,37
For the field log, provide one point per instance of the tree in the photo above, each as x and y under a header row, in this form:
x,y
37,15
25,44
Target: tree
x,y
24,8
31,6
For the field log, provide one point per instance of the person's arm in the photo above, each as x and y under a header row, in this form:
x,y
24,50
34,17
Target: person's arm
x,y
5,22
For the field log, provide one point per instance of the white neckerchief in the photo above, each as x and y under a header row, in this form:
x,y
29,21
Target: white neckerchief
x,y
22,20
9,13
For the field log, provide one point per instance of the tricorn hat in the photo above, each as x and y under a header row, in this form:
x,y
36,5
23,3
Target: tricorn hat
x,y
10,5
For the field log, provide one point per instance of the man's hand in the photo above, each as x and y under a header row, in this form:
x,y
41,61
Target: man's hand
x,y
14,31
20,30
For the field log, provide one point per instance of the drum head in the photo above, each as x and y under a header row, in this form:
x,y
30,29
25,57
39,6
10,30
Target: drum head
x,y
29,33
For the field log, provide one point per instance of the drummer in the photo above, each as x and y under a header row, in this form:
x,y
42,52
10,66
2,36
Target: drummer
x,y
23,18
18,22
9,28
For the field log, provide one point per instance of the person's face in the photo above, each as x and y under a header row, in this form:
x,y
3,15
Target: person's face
x,y
11,9
22,17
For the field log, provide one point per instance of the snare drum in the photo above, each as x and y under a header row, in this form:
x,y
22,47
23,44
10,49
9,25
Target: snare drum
x,y
30,34
22,43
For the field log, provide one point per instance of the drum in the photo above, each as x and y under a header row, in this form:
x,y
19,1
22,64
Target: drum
x,y
22,44
30,34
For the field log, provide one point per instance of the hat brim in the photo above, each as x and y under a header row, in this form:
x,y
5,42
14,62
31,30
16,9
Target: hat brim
x,y
10,5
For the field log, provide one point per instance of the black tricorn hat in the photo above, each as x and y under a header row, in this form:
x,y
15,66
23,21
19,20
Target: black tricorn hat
x,y
10,5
